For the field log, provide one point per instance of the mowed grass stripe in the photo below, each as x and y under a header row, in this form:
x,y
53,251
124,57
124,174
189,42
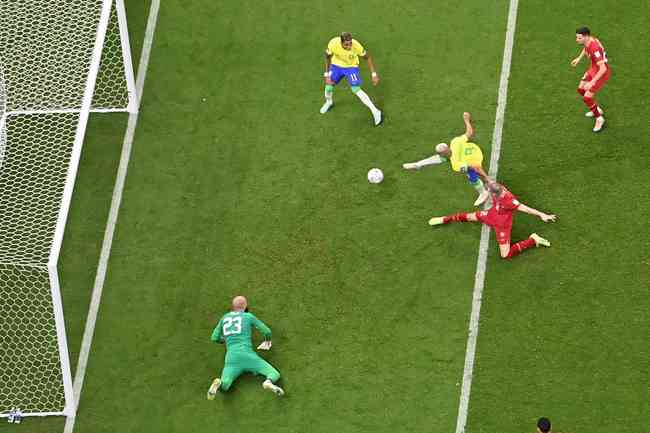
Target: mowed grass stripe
x,y
563,336
253,191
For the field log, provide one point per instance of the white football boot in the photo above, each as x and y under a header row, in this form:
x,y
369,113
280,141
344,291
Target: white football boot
x,y
590,114
377,117
482,197
600,122
326,106
540,240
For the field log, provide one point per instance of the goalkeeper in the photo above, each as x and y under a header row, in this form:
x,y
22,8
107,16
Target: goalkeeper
x,y
464,156
235,329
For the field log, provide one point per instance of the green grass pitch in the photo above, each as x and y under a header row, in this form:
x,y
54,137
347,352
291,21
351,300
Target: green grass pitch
x,y
237,184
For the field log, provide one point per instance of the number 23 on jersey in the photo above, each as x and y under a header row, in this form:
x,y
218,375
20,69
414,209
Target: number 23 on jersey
x,y
231,325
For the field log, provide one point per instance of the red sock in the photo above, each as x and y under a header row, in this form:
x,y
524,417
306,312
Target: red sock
x,y
593,106
458,218
516,249
582,91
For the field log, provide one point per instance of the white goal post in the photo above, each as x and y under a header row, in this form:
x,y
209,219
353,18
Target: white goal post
x,y
60,60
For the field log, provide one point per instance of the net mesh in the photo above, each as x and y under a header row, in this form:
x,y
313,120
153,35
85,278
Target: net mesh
x,y
46,50
47,46
30,375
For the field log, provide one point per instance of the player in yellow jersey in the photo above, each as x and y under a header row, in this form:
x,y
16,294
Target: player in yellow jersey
x,y
342,60
464,156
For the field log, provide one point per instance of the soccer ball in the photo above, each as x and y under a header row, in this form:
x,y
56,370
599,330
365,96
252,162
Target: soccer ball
x,y
375,175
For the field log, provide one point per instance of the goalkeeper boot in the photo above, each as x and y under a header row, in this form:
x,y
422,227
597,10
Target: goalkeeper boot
x,y
540,240
212,391
326,107
482,197
590,114
436,221
600,123
268,385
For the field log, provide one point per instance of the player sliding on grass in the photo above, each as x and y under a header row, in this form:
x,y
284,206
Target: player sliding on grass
x,y
499,217
235,328
596,76
465,157
342,60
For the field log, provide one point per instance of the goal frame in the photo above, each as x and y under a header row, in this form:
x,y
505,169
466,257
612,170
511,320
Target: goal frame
x,y
69,409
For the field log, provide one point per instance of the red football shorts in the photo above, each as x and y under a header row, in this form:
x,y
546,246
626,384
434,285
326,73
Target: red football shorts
x,y
591,73
501,224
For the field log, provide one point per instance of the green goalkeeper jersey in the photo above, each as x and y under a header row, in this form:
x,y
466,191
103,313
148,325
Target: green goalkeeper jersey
x,y
236,330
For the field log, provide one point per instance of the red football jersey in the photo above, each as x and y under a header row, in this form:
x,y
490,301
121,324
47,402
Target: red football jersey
x,y
596,53
505,204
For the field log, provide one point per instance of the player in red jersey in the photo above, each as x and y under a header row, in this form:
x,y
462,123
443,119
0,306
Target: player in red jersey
x,y
596,76
499,217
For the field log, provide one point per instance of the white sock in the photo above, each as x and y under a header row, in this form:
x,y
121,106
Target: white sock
x,y
329,97
478,186
366,100
435,159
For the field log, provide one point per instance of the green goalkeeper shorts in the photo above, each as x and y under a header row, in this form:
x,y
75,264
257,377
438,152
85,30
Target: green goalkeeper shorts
x,y
238,363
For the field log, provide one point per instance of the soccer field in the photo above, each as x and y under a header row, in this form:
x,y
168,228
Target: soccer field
x,y
237,185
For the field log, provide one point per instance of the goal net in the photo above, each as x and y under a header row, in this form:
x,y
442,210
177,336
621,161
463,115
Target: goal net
x,y
59,60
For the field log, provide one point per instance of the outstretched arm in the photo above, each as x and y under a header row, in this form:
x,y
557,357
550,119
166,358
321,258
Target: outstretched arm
x,y
328,63
469,129
371,66
262,328
575,61
531,211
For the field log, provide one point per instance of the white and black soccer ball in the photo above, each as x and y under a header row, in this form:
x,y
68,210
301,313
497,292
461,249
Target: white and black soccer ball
x,y
375,175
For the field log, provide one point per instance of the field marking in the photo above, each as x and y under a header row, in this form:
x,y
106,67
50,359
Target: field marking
x,y
100,277
481,264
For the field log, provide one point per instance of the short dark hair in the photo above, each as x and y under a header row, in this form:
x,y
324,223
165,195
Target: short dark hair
x,y
544,425
584,31
346,36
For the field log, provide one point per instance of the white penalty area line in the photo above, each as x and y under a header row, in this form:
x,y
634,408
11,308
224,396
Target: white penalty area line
x,y
112,218
479,279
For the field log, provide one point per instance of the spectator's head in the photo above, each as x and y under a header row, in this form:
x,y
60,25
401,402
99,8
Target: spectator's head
x,y
544,425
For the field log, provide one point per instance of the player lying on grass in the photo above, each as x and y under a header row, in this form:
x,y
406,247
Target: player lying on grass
x,y
235,329
499,217
596,76
342,60
465,157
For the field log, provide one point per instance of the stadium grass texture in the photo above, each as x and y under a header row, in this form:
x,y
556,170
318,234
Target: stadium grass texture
x,y
252,191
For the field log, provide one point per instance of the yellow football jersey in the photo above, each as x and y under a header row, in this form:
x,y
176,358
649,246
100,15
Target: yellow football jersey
x,y
464,153
341,56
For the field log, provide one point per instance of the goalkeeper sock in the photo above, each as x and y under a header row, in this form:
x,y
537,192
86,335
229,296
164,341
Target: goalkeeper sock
x,y
519,247
366,100
458,218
